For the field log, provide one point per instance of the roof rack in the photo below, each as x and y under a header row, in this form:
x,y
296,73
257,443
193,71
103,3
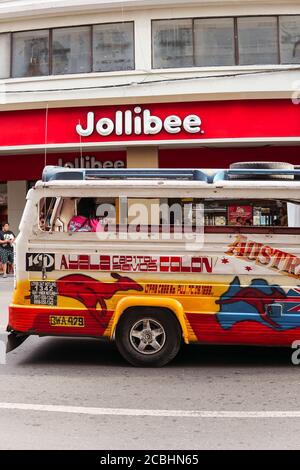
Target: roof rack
x,y
54,173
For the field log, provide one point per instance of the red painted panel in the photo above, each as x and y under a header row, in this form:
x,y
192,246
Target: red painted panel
x,y
30,167
223,157
208,330
36,320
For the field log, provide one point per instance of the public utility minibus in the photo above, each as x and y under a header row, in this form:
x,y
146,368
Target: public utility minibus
x,y
177,255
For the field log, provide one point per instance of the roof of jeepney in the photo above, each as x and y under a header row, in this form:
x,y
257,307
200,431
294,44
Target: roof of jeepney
x,y
172,184
136,179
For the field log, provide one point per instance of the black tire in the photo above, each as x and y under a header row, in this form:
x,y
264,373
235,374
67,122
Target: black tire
x,y
127,343
262,166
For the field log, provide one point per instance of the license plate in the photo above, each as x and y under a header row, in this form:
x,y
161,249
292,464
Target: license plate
x,y
66,320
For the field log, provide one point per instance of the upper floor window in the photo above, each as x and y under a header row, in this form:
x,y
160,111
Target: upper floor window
x,y
30,53
71,50
58,51
247,40
172,43
289,33
113,47
214,41
257,40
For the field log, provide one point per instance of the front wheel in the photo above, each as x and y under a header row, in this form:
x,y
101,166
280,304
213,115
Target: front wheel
x,y
150,337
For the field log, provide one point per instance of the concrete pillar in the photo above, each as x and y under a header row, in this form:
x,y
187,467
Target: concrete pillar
x,y
142,157
16,197
143,53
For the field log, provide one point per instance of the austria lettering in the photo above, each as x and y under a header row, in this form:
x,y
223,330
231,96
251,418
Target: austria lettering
x,y
264,255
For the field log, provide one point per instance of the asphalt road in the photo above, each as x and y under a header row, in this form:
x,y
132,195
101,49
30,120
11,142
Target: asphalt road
x,y
58,393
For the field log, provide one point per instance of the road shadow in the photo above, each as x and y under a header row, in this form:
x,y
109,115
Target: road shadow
x,y
95,352
233,356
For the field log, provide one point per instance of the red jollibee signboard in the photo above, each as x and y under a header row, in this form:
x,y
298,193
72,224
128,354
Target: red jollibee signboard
x,y
163,122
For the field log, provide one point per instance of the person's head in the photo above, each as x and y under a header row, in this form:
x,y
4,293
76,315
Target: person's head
x,y
87,207
5,227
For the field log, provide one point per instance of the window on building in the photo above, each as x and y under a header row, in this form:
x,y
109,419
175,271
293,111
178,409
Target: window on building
x,y
4,55
289,33
172,43
257,40
214,41
113,47
177,43
71,50
204,42
30,53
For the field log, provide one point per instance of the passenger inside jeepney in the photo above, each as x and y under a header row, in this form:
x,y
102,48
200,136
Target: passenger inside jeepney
x,y
90,216
85,220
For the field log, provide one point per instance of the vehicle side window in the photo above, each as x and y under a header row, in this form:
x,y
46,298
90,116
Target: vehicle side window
x,y
260,213
165,212
113,214
46,208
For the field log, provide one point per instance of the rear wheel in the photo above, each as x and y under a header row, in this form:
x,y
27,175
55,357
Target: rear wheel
x,y
148,337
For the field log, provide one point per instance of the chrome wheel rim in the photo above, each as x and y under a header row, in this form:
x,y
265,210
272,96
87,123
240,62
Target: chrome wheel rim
x,y
147,336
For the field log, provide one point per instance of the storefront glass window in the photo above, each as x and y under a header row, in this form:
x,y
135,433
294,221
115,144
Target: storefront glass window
x,y
172,43
4,55
214,41
289,29
113,47
30,54
257,39
71,50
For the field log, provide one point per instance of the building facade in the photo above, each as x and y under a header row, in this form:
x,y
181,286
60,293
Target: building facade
x,y
144,83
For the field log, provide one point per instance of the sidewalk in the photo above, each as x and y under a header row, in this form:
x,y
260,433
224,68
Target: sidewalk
x,y
6,288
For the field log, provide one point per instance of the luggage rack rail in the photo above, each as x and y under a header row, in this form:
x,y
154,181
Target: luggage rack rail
x,y
52,173
56,173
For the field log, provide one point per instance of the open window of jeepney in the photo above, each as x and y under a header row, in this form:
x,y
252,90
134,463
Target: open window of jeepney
x,y
113,218
163,219
86,214
48,207
161,212
258,214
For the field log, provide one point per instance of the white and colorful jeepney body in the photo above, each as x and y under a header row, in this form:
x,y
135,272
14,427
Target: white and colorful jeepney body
x,y
240,286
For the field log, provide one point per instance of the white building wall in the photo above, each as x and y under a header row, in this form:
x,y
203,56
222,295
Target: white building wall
x,y
142,84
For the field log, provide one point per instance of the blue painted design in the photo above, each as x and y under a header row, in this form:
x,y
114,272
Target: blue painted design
x,y
249,303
